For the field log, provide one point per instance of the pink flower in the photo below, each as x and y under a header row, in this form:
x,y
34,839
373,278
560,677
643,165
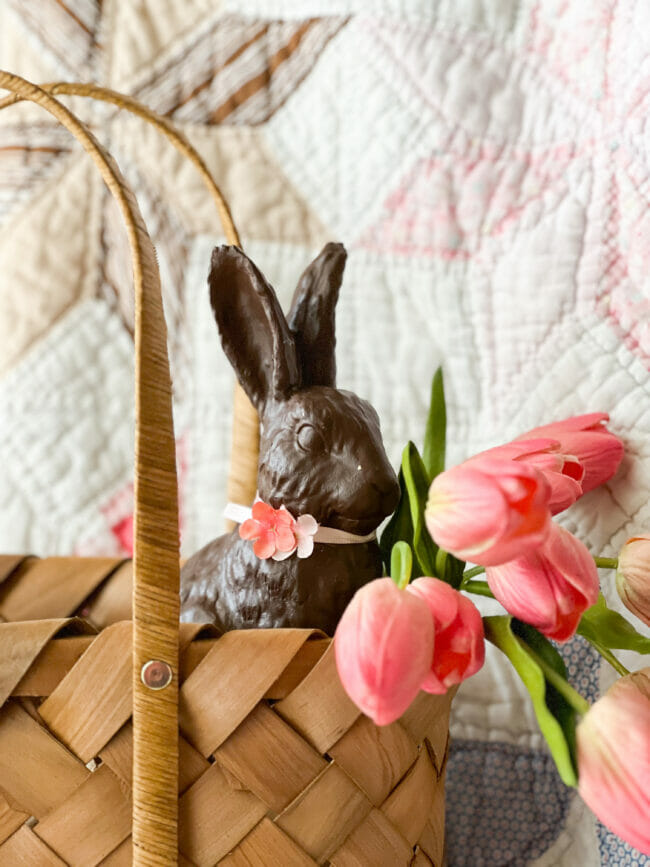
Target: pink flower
x,y
563,473
383,646
614,759
585,437
459,645
272,529
633,576
550,587
489,509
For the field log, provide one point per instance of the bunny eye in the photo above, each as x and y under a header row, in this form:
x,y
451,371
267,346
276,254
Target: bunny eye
x,y
309,439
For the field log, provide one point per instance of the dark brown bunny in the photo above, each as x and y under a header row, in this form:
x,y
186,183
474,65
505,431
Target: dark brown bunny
x,y
321,454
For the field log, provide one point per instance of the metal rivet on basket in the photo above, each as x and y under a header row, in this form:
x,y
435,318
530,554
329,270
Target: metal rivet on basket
x,y
156,674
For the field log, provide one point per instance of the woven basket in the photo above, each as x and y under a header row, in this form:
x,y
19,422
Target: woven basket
x,y
252,754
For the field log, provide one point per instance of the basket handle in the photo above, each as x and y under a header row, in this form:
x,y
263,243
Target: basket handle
x,y
244,453
156,543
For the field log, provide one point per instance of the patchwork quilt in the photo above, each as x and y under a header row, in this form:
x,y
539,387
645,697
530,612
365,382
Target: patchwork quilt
x,y
486,163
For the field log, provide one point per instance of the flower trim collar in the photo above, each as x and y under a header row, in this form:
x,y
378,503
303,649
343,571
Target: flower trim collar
x,y
276,534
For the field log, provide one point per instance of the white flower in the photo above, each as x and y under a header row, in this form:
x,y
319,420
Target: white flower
x,y
305,530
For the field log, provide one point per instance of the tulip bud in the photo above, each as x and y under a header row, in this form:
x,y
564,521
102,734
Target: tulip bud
x,y
586,438
488,510
614,759
563,473
459,642
633,576
383,646
549,588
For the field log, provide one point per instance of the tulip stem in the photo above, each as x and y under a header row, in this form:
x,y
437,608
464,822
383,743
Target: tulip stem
x,y
471,573
608,656
571,695
606,562
401,564
480,588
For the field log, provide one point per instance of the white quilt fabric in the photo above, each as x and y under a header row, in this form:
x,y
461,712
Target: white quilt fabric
x,y
486,163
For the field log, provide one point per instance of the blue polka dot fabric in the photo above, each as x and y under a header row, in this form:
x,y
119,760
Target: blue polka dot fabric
x,y
615,852
583,666
505,805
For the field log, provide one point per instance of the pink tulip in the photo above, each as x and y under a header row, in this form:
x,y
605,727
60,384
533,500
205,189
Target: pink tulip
x,y
633,576
614,759
564,473
459,645
585,437
550,587
489,509
383,647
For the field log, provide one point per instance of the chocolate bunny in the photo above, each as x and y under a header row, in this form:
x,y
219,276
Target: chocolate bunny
x,y
321,454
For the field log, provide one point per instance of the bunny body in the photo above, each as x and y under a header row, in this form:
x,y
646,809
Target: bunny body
x,y
297,593
321,454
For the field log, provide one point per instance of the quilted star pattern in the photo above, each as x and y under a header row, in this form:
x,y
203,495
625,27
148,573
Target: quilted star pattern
x,y
220,77
485,163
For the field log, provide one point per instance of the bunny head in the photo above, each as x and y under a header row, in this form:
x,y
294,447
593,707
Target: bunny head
x,y
321,451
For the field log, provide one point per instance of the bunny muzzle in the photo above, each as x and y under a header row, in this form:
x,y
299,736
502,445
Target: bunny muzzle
x,y
322,454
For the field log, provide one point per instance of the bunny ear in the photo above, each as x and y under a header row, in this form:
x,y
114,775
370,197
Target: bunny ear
x,y
311,318
254,333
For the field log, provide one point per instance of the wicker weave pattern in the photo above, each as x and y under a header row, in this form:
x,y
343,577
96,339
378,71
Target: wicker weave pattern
x,y
96,588
277,766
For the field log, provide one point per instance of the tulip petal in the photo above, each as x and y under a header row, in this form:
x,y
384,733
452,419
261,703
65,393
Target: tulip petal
x,y
573,468
459,645
442,599
588,421
383,646
521,586
466,511
549,588
633,577
519,449
471,617
488,509
614,759
433,685
515,545
573,560
587,439
564,472
565,490
600,453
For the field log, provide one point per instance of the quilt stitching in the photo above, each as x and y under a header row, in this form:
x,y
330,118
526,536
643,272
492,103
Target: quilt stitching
x,y
452,213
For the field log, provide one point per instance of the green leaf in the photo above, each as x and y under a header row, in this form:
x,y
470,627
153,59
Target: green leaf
x,y
417,489
602,626
555,716
398,529
401,564
407,523
449,568
433,452
563,712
